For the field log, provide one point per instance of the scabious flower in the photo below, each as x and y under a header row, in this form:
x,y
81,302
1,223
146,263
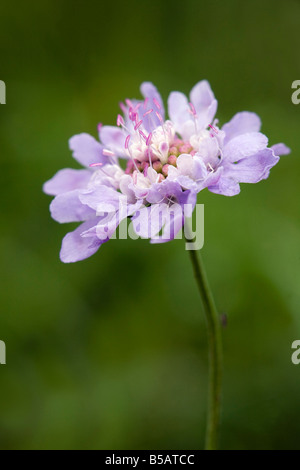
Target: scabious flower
x,y
167,162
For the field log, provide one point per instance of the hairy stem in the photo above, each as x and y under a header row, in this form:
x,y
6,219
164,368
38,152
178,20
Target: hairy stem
x,y
215,351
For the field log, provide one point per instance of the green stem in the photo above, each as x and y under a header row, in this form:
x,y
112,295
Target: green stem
x,y
215,351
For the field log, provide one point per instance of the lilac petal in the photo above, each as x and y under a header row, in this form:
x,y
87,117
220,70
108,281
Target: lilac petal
x,y
244,145
174,220
67,207
109,222
241,123
280,149
113,138
252,169
77,248
149,91
86,150
211,179
148,221
204,102
179,112
102,199
226,187
159,191
67,180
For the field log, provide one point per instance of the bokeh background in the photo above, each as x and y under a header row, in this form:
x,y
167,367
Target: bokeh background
x,y
111,353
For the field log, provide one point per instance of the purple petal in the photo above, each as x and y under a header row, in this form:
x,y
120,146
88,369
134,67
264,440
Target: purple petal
x,y
241,123
113,138
244,145
252,169
86,150
178,108
226,187
174,220
67,207
204,102
280,149
102,199
159,191
67,180
147,222
75,247
149,91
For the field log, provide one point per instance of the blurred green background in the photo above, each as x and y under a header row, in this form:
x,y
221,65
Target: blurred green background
x,y
111,353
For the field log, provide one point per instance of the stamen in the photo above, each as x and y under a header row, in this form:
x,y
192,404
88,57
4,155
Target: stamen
x,y
123,107
156,103
134,177
129,103
137,106
148,112
143,135
92,165
138,124
146,102
193,111
108,153
120,120
159,117
148,141
99,127
213,128
127,141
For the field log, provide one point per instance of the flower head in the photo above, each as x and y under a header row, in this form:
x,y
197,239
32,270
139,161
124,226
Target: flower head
x,y
167,162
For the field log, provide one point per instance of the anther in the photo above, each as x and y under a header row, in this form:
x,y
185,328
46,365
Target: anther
x,y
92,165
148,112
159,116
193,111
129,103
148,141
108,153
138,124
127,141
120,120
143,135
213,128
156,103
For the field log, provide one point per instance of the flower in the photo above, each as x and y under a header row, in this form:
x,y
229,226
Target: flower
x,y
167,162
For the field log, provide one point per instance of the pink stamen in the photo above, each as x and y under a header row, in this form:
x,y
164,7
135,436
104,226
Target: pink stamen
x,y
159,116
148,112
146,102
137,107
135,177
156,103
129,103
193,109
123,107
138,124
99,127
149,139
95,164
120,120
143,135
108,153
127,141
213,128
146,166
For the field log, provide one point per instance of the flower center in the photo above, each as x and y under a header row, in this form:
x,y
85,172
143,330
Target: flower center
x,y
161,165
